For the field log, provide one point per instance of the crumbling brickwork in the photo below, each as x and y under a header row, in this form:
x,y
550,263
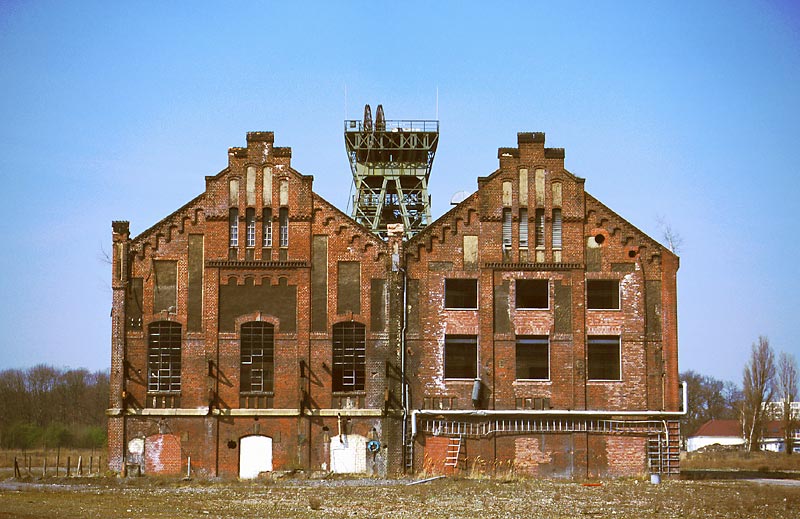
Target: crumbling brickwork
x,y
342,314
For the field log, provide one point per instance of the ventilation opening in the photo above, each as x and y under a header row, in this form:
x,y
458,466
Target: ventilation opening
x,y
599,239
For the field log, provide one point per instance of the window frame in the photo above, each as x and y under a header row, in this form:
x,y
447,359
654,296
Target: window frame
x,y
352,356
267,355
283,227
250,228
517,293
266,224
531,340
233,227
452,340
162,355
602,308
592,342
452,290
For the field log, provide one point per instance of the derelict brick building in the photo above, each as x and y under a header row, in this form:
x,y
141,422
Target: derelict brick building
x,y
259,328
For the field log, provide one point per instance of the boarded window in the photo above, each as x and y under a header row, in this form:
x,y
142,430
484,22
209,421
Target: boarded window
x,y
267,187
250,185
250,219
133,304
348,293
556,194
539,228
267,227
538,186
164,356
532,293
557,228
523,228
233,192
233,227
470,252
603,357
523,186
283,224
165,293
460,356
257,354
283,193
506,228
533,357
507,194
349,356
461,293
602,294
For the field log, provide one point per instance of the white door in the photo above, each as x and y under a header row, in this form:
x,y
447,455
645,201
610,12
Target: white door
x,y
349,454
255,456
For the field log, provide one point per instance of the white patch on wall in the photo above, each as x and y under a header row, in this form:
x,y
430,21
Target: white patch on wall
x,y
349,454
255,456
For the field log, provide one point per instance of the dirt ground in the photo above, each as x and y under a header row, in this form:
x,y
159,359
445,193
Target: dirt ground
x,y
628,498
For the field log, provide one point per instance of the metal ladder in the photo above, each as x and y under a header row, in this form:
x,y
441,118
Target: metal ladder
x,y
663,450
408,449
454,455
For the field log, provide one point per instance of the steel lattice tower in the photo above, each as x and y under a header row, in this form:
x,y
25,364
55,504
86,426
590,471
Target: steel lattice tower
x,y
391,164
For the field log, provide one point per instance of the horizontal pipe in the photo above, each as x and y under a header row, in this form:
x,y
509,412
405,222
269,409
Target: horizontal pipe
x,y
544,412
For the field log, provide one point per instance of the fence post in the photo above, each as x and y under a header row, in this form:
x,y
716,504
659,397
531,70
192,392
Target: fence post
x,y
80,466
91,464
16,469
69,460
44,465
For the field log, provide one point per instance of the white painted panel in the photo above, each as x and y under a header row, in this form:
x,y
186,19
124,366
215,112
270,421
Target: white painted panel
x,y
255,456
349,454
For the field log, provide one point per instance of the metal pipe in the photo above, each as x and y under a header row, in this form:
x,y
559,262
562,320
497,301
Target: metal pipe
x,y
544,412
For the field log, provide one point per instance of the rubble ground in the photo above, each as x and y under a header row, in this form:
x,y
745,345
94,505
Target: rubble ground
x,y
142,498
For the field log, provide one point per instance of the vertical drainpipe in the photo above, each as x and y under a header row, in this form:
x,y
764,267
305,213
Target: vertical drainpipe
x,y
403,382
216,378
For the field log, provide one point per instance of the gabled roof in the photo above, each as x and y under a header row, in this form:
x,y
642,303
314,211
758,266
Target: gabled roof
x,y
730,428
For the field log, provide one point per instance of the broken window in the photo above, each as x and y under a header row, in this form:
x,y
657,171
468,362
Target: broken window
x,y
164,356
533,357
257,353
603,357
349,356
557,229
539,236
267,223
250,219
506,229
523,228
532,293
233,225
283,224
461,293
460,356
602,294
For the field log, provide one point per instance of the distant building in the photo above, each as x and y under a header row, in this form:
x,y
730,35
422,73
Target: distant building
x,y
259,328
716,432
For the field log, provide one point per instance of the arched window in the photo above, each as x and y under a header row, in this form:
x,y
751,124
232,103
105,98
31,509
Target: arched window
x,y
349,356
164,356
257,357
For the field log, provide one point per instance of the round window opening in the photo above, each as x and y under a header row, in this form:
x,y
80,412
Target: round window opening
x,y
599,239
631,253
231,444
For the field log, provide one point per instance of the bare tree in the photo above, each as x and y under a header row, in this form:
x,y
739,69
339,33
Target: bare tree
x,y
670,235
787,390
758,388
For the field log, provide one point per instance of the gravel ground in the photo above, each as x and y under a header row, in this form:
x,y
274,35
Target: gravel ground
x,y
452,498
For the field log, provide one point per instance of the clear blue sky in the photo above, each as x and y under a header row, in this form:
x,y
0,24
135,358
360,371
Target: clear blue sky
x,y
117,111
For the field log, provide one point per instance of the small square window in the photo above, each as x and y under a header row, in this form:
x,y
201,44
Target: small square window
x,y
533,357
461,293
602,294
532,293
603,357
460,356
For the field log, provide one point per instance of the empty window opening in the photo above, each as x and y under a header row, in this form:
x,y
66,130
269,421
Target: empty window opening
x,y
250,219
506,229
283,223
557,228
599,239
267,224
539,237
603,357
532,293
461,293
533,357
164,356
602,294
349,356
460,356
233,226
257,357
523,228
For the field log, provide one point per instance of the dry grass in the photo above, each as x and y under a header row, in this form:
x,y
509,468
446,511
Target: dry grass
x,y
736,460
145,498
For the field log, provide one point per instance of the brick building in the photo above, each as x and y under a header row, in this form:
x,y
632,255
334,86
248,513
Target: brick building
x,y
259,328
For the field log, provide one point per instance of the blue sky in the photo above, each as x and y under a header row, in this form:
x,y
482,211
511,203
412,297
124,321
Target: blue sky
x,y
118,110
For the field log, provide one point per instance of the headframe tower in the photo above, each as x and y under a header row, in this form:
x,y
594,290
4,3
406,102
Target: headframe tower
x,y
391,164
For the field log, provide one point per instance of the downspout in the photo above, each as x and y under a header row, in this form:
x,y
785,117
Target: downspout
x,y
403,382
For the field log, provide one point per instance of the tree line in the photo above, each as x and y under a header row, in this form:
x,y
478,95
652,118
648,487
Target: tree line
x,y
44,406
765,380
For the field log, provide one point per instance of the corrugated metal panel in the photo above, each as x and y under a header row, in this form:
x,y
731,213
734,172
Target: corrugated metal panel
x,y
506,228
